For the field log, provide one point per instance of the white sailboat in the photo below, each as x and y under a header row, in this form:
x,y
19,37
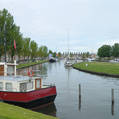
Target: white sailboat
x,y
68,62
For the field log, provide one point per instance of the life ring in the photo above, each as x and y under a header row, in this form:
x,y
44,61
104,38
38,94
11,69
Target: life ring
x,y
30,73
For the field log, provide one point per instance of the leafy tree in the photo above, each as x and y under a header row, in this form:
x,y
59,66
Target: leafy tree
x,y
26,47
104,51
6,23
115,50
19,44
14,34
34,49
87,54
54,54
43,51
59,54
50,52
9,32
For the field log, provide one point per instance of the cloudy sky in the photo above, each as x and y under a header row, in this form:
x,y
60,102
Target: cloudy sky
x,y
89,23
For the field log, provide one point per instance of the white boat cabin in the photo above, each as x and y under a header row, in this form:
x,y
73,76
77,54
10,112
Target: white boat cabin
x,y
7,68
11,82
20,83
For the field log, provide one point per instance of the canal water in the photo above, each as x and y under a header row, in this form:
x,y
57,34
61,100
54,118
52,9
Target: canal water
x,y
79,95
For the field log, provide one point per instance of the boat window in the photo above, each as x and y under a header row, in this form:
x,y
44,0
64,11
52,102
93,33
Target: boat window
x,y
8,86
37,83
10,70
1,85
23,87
29,85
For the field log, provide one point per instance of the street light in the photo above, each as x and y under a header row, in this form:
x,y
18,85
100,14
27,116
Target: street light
x,y
5,40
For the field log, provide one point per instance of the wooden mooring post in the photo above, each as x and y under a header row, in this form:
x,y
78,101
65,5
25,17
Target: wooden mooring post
x,y
112,107
79,97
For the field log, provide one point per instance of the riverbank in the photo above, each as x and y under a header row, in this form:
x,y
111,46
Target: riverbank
x,y
30,64
99,68
8,111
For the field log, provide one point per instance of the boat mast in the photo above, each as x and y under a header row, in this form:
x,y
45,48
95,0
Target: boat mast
x,y
68,41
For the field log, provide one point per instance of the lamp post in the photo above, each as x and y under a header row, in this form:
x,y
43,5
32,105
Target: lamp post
x,y
5,41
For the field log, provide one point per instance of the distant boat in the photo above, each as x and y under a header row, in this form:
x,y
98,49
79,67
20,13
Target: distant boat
x,y
52,59
68,64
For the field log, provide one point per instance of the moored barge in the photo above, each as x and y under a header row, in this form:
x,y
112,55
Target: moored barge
x,y
26,91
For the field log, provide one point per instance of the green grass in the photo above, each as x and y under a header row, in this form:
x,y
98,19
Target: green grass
x,y
14,112
101,67
30,64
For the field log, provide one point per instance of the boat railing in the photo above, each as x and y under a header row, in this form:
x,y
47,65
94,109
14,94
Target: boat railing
x,y
51,84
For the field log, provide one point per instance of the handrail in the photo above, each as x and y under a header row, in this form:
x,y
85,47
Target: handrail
x,y
9,89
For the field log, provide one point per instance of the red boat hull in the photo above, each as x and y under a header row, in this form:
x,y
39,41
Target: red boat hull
x,y
41,96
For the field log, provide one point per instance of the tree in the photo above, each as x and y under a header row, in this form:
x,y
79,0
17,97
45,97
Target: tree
x,y
54,54
59,54
26,47
87,54
6,23
9,32
115,50
50,52
14,34
43,51
104,51
19,44
34,49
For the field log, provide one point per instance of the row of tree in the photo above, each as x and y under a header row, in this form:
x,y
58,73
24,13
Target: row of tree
x,y
25,47
108,51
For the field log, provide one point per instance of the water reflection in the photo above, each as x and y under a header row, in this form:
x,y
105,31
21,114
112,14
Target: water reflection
x,y
50,67
38,70
49,109
68,69
43,71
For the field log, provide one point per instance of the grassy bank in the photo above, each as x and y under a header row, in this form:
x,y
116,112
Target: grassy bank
x,y
99,67
30,64
14,112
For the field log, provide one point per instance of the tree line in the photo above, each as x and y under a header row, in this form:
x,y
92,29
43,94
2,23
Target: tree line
x,y
109,51
25,47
